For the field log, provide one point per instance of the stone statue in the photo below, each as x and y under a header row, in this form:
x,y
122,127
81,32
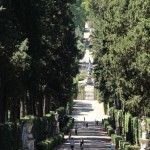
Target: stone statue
x,y
144,124
24,135
144,140
27,137
67,109
57,130
56,116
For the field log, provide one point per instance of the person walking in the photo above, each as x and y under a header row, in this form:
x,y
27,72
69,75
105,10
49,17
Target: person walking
x,y
81,143
86,124
76,129
72,143
84,121
69,134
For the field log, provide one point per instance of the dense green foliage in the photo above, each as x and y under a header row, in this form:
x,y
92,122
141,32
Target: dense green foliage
x,y
54,141
50,143
118,140
129,126
108,127
79,17
121,45
10,137
43,129
38,57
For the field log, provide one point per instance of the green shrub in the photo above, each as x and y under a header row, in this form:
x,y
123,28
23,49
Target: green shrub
x,y
67,126
10,136
130,147
113,136
43,128
123,144
46,145
106,123
127,119
110,130
116,138
51,142
135,130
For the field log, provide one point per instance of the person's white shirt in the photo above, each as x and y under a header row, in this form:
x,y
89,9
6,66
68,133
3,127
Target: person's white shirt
x,y
72,142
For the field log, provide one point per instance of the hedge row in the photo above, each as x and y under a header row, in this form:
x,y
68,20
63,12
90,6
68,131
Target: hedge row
x,y
43,128
52,142
128,125
120,143
108,127
118,140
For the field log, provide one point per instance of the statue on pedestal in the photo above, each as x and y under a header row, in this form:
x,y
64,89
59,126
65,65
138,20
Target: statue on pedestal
x,y
144,140
67,109
27,137
57,122
144,124
56,116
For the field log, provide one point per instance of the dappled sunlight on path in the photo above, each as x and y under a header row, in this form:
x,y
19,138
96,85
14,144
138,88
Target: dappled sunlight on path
x,y
95,137
91,110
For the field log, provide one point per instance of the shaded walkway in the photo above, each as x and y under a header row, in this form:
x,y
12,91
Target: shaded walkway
x,y
95,137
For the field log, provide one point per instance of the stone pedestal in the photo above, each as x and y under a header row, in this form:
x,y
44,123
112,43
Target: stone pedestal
x,y
57,128
31,144
144,143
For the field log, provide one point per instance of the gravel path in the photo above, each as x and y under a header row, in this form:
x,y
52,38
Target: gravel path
x,y
95,137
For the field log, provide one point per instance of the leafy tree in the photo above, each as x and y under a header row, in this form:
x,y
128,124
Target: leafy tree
x,y
38,57
121,47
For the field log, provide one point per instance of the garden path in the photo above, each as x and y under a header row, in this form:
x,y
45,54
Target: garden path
x,y
95,137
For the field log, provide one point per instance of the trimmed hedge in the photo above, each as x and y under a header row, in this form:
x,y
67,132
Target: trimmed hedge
x,y
67,126
105,122
51,142
116,138
123,144
119,142
108,127
130,147
110,130
43,128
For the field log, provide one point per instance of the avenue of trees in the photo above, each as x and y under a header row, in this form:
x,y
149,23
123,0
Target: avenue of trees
x,y
121,47
38,57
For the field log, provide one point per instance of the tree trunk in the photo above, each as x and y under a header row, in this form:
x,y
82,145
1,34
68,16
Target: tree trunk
x,y
40,108
47,105
2,111
3,104
15,110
